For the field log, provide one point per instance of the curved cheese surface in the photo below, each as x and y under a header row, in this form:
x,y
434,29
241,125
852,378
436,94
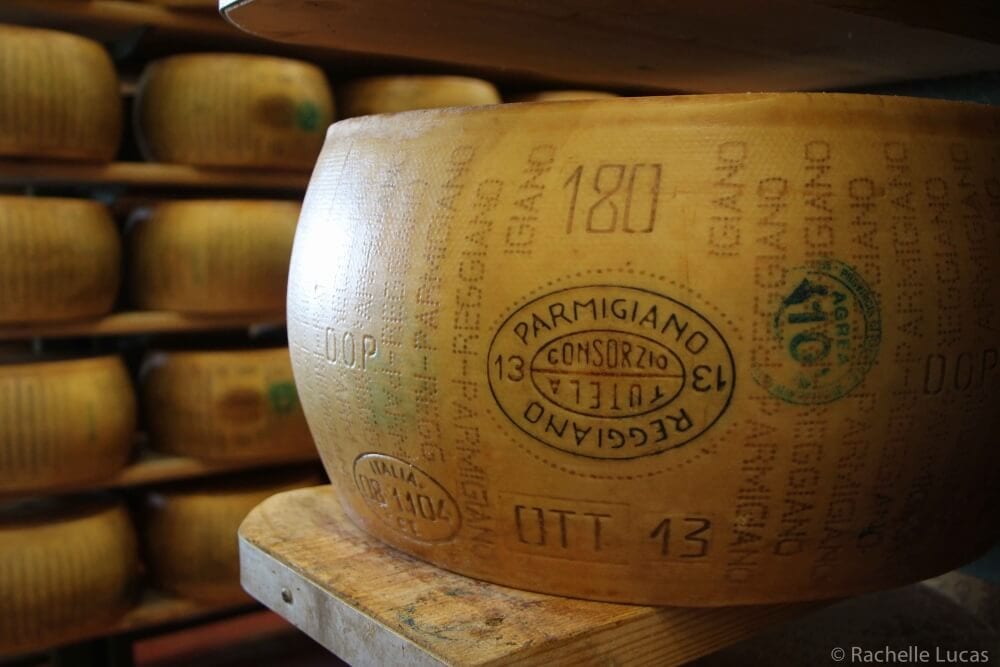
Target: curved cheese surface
x,y
59,96
233,110
225,406
389,94
214,256
64,573
60,259
699,350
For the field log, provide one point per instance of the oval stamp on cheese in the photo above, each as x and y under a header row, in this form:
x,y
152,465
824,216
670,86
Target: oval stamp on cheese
x,y
610,371
826,329
407,498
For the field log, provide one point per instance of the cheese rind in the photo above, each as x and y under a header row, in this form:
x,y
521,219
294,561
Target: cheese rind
x,y
232,110
390,94
59,96
60,259
213,256
238,405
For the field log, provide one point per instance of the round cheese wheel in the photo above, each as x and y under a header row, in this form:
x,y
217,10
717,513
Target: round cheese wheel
x,y
64,423
190,533
213,256
59,259
389,94
224,406
563,95
232,110
66,569
703,350
59,96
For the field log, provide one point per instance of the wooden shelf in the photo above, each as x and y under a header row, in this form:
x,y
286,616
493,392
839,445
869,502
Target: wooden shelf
x,y
152,468
156,609
701,47
139,322
149,175
372,605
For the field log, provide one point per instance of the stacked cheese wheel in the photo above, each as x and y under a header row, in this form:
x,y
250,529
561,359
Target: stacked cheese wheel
x,y
389,94
213,256
233,110
59,96
64,423
66,567
59,259
696,350
190,533
224,406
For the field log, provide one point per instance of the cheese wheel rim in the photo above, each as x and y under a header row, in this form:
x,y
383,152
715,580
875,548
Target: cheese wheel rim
x,y
697,351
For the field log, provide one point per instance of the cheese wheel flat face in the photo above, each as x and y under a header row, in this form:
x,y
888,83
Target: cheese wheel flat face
x,y
213,257
60,259
232,110
64,423
225,406
389,94
191,535
697,350
59,96
65,575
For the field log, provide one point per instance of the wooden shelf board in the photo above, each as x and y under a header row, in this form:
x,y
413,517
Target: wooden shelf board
x,y
153,468
699,47
148,175
372,605
139,322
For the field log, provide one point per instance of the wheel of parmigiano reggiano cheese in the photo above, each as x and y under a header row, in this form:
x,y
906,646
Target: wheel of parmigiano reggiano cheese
x,y
60,259
64,423
59,96
213,256
563,96
66,568
233,110
191,533
701,350
389,94
224,406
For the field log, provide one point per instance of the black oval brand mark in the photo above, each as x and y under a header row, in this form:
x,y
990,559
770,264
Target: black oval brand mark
x,y
610,372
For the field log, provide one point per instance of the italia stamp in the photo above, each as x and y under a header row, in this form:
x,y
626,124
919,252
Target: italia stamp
x,y
610,371
827,329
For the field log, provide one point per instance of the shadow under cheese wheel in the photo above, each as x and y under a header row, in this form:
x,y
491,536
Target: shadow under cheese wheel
x,y
66,568
190,533
213,256
60,259
238,405
232,110
64,423
59,96
702,350
390,94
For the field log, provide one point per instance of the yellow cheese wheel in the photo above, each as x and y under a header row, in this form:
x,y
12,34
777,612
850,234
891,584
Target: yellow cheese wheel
x,y
66,569
700,350
389,94
190,533
232,110
563,95
213,256
59,96
59,259
64,423
224,406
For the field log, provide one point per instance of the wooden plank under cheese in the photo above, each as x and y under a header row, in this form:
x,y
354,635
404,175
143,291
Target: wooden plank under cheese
x,y
64,423
212,256
702,350
562,95
389,94
60,259
232,110
65,566
190,533
58,96
238,405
